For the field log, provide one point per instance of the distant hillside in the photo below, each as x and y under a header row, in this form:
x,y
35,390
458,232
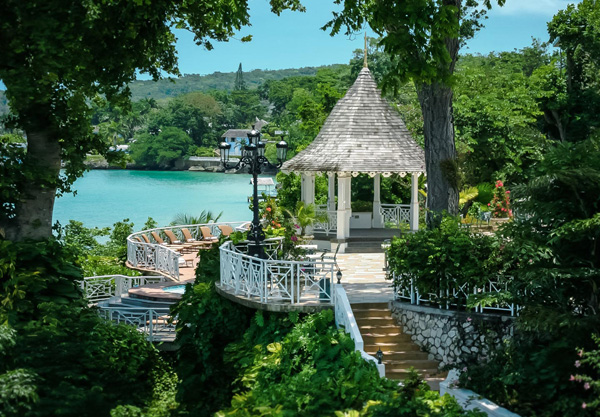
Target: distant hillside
x,y
165,89
217,81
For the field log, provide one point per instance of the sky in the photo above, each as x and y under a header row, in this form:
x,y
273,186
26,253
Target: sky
x,y
295,40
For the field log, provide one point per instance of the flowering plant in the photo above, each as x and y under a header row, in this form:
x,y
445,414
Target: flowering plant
x,y
500,204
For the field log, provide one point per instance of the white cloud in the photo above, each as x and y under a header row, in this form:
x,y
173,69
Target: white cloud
x,y
532,7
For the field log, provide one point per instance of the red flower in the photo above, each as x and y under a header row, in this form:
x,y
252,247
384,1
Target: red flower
x,y
268,209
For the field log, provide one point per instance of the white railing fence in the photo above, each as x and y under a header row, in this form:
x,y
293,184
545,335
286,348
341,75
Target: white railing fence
x,y
454,295
344,317
396,214
104,287
155,323
161,258
329,224
274,280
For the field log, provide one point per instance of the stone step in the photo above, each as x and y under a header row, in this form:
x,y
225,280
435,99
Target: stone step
x,y
371,313
375,321
390,355
407,363
392,347
384,329
353,248
376,339
366,306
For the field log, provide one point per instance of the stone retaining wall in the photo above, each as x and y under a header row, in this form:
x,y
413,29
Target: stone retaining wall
x,y
452,337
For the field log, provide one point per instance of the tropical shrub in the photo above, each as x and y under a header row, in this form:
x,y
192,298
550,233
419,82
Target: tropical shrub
x,y
500,204
551,250
436,258
57,356
206,324
310,368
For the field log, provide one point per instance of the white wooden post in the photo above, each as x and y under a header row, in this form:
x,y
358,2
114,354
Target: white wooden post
x,y
307,188
343,210
414,202
377,217
331,191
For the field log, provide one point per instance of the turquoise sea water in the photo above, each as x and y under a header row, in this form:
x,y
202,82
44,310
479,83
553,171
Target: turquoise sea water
x,y
107,196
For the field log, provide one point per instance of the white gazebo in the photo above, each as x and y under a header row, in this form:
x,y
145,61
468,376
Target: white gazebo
x,y
362,135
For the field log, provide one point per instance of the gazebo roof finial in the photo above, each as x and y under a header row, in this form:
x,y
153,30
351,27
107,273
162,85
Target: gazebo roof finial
x,y
365,64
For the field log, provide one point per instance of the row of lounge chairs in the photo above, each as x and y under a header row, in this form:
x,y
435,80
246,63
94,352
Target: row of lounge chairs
x,y
189,243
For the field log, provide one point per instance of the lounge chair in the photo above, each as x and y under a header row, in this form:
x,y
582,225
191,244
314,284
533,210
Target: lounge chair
x,y
196,243
138,239
207,234
159,240
145,238
225,229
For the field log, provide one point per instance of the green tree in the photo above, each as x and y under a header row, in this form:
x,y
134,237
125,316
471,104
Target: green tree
x,y
423,39
573,114
162,150
239,80
59,55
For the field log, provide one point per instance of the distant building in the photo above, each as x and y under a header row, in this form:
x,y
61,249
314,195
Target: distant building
x,y
238,138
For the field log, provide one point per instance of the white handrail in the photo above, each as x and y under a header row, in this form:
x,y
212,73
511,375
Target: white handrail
x,y
274,280
330,224
154,322
161,258
104,287
344,317
406,289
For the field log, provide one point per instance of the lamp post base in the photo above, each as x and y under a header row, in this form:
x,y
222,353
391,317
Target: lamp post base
x,y
257,250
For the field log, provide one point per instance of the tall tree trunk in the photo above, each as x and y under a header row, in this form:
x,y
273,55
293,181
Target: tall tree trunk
x,y
33,218
440,150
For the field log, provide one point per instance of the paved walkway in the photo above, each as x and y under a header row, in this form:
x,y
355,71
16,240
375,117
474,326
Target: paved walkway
x,y
364,278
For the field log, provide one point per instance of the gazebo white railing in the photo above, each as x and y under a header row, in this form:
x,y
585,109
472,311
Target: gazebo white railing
x,y
275,281
397,214
454,295
161,258
330,224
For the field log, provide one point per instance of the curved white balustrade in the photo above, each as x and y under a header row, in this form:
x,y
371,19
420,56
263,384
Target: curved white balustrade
x,y
274,280
157,257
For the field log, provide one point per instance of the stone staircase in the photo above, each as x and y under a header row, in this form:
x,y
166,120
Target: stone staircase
x,y
400,353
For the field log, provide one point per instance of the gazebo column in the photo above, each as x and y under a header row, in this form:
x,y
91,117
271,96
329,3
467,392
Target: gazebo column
x,y
343,211
307,192
414,202
331,191
377,217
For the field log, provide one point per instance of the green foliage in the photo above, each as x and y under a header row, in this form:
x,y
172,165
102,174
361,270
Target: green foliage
x,y
589,376
437,258
57,356
530,376
573,107
204,217
496,115
162,150
206,324
551,251
312,369
304,215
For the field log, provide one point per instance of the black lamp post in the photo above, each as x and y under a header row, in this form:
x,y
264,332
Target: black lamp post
x,y
253,156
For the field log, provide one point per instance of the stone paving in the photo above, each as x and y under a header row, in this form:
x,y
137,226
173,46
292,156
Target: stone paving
x,y
364,278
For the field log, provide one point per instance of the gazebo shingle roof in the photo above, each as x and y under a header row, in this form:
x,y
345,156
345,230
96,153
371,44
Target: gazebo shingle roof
x,y
363,134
